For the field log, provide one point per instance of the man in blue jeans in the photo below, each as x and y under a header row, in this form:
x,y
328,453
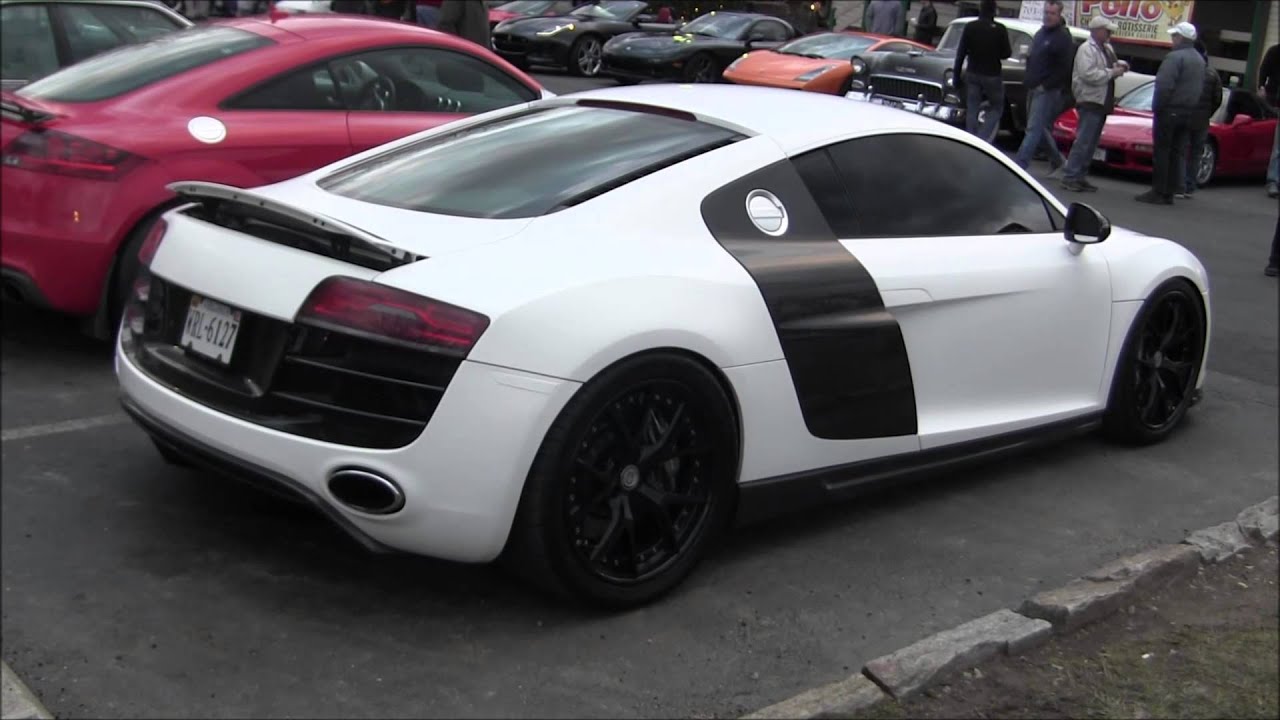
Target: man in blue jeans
x,y
1048,77
1094,86
984,43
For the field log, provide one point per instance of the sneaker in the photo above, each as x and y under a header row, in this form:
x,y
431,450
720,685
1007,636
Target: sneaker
x,y
1273,190
1182,195
1088,186
1154,198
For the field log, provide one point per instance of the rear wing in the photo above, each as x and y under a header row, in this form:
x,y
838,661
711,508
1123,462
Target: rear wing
x,y
267,219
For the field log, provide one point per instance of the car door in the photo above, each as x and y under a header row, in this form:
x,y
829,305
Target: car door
x,y
394,92
287,125
28,48
1006,324
1252,129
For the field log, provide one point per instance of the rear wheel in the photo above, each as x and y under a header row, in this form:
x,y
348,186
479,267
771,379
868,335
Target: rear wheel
x,y
1207,163
126,270
585,57
1156,376
633,482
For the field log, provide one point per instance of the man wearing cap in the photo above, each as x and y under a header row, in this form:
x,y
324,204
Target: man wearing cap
x,y
1093,83
1179,82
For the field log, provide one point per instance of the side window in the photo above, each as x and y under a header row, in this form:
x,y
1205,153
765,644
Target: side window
x,y
896,47
906,185
88,34
770,31
27,49
307,89
1019,42
420,79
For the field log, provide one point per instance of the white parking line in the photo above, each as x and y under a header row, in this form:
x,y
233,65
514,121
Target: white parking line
x,y
65,426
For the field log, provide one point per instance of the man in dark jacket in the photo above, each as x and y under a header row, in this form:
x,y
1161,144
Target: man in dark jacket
x,y
466,19
1210,101
985,43
1179,84
1047,79
1269,84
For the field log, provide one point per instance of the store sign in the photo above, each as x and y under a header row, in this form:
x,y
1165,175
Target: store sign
x,y
1033,11
1141,21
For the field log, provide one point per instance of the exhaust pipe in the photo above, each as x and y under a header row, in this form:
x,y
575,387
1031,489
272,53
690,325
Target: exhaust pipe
x,y
366,491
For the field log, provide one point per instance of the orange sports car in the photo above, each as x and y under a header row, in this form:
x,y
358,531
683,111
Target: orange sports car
x,y
817,62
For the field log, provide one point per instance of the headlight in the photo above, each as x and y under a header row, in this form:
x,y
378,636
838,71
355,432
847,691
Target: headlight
x,y
859,66
949,78
555,30
813,74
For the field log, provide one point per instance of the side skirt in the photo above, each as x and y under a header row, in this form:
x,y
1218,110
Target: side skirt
x,y
769,497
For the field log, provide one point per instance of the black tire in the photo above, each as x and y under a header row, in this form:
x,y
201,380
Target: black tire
x,y
1156,374
585,44
666,516
126,269
1207,168
171,456
701,68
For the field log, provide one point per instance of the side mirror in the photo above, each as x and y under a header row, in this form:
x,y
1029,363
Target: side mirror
x,y
1085,225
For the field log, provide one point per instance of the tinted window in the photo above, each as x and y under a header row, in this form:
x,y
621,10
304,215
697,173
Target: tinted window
x,y
425,80
93,29
309,89
135,66
836,46
719,25
912,185
26,43
770,31
526,165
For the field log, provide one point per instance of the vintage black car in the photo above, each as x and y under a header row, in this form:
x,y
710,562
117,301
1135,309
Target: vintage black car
x,y
575,41
923,82
698,52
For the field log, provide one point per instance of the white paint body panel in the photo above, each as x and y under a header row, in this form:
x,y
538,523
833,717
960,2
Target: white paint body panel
x,y
1002,333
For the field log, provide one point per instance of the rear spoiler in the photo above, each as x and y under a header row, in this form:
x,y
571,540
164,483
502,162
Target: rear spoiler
x,y
230,206
14,107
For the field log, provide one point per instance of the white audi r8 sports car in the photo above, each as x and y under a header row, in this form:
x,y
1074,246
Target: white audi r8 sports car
x,y
587,333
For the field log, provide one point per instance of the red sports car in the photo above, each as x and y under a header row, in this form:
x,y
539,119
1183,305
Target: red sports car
x,y
528,8
88,151
1240,135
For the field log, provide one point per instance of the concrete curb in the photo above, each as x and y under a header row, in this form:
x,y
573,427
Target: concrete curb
x,y
19,703
1087,599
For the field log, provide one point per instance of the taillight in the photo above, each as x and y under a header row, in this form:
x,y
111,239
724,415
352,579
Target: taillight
x,y
64,154
377,311
151,244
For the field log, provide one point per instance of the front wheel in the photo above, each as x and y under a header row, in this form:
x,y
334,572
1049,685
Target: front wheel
x,y
586,57
1156,375
701,69
1206,164
632,484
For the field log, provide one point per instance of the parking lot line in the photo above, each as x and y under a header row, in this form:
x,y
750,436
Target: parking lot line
x,y
65,426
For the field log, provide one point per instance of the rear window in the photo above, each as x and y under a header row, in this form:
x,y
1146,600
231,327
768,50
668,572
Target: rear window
x,y
135,66
530,164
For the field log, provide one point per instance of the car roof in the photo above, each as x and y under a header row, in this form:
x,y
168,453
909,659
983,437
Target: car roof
x,y
312,26
1027,26
796,121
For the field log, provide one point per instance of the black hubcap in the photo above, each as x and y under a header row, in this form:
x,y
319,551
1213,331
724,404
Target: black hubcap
x,y
1164,373
702,70
639,491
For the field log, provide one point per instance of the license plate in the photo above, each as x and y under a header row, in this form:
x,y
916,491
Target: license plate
x,y
886,101
211,329
1100,154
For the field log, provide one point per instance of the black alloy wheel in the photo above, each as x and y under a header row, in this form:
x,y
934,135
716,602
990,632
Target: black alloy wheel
x,y
1156,379
631,484
701,69
586,57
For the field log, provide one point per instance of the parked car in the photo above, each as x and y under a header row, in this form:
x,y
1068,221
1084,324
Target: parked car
x,y
575,41
698,52
1241,134
528,8
303,6
88,151
483,342
39,37
820,62
922,82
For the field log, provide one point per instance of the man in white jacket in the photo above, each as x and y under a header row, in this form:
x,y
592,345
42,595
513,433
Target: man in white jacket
x,y
1093,82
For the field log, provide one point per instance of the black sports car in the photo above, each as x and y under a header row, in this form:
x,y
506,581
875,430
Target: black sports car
x,y
697,52
574,41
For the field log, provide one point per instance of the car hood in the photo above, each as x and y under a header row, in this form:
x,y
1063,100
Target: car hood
x,y
533,25
663,43
930,65
769,65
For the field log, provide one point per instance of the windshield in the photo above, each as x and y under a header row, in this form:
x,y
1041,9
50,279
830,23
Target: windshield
x,y
131,67
526,7
1140,98
834,46
718,25
611,9
528,164
951,38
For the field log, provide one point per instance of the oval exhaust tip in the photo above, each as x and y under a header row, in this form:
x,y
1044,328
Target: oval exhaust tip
x,y
366,491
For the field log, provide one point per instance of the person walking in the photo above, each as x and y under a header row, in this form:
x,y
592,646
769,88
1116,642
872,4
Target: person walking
x,y
1210,101
1269,88
1094,85
1179,83
1048,76
927,24
984,43
466,19
883,17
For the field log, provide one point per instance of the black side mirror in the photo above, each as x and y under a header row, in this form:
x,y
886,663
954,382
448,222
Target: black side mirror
x,y
1086,225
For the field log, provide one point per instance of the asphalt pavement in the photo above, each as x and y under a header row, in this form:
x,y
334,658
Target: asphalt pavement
x,y
132,588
